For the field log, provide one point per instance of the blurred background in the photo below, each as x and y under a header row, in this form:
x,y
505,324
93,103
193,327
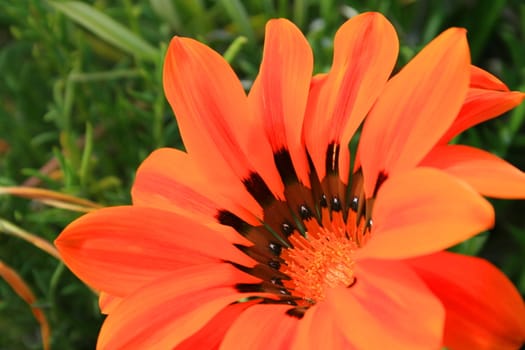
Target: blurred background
x,y
81,105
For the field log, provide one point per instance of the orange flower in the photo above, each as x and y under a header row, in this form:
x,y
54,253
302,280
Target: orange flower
x,y
260,236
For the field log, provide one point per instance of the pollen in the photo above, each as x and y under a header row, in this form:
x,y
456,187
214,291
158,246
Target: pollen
x,y
320,260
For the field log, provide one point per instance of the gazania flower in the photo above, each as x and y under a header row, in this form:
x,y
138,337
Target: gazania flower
x,y
269,234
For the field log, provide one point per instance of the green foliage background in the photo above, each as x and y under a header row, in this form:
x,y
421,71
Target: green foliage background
x,y
81,92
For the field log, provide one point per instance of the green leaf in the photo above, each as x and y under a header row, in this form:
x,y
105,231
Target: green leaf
x,y
107,29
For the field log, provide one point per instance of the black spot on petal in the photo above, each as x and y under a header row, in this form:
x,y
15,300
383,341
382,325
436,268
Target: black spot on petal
x,y
323,202
354,204
275,248
335,204
287,228
274,264
276,280
284,291
304,212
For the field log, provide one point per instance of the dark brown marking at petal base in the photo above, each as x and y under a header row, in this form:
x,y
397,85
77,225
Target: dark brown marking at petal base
x,y
249,287
281,292
275,215
262,271
297,312
332,158
258,189
287,301
227,218
381,178
284,164
258,253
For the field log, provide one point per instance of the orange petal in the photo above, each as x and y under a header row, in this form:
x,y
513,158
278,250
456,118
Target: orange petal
x,y
481,105
211,335
423,211
162,314
318,330
280,93
488,97
118,249
214,118
365,52
481,79
169,179
488,174
262,327
483,309
389,307
107,302
416,107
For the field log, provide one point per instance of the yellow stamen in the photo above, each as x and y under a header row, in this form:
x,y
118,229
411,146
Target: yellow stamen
x,y
322,260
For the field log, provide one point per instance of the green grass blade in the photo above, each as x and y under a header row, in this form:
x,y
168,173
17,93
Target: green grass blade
x,y
86,155
300,8
165,9
107,29
234,48
238,14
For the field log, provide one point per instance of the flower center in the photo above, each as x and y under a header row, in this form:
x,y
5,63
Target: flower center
x,y
321,260
307,242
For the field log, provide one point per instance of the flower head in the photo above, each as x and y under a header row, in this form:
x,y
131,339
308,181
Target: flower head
x,y
269,233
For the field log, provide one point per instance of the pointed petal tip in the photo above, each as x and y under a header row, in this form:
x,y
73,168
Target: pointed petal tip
x,y
180,41
279,21
66,239
117,249
214,117
458,32
373,15
488,174
365,51
176,44
401,126
279,95
454,35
